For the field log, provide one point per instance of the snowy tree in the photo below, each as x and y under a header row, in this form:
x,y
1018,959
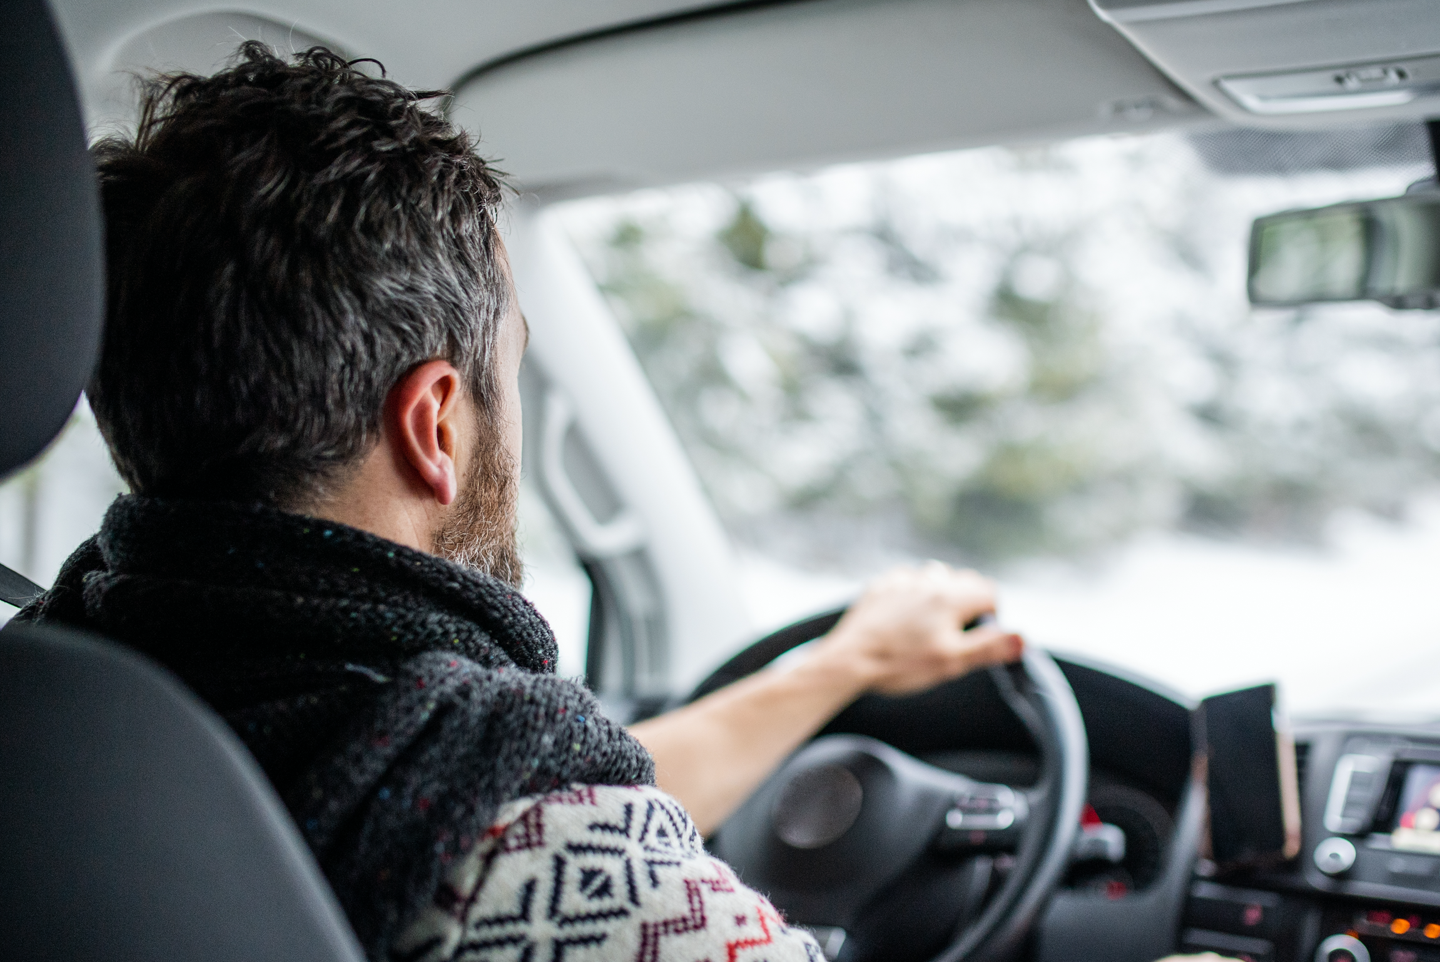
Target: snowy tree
x,y
999,354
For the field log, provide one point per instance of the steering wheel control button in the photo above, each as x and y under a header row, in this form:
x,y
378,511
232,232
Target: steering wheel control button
x,y
984,817
1342,948
817,806
1335,856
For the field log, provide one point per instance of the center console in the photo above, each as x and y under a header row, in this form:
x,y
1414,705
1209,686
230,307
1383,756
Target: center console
x,y
1366,884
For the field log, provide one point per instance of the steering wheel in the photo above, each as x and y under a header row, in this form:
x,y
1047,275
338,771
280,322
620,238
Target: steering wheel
x,y
884,856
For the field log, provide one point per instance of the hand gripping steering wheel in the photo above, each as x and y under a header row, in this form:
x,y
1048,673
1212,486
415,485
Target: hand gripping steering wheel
x,y
889,858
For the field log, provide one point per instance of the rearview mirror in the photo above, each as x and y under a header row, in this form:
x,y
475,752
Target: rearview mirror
x,y
1379,250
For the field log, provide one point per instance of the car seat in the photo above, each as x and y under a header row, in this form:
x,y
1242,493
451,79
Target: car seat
x,y
133,824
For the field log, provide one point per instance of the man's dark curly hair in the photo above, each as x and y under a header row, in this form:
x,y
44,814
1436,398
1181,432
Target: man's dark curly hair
x,y
284,241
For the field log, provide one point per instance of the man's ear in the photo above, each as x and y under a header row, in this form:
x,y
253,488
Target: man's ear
x,y
423,413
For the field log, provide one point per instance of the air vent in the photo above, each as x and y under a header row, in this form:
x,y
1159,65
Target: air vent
x,y
1302,764
1359,781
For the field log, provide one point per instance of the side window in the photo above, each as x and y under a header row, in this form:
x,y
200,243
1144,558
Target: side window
x,y
57,502
555,582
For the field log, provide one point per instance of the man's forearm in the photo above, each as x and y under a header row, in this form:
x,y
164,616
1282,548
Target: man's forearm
x,y
713,753
904,634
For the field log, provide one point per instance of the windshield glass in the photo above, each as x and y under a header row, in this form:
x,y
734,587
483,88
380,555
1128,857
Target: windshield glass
x,y
1041,362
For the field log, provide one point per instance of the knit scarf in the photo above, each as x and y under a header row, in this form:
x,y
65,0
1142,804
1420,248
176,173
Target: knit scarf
x,y
395,700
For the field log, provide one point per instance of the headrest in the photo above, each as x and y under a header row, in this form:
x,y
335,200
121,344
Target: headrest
x,y
51,260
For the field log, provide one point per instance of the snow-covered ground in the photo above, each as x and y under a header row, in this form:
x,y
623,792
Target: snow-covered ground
x,y
1352,628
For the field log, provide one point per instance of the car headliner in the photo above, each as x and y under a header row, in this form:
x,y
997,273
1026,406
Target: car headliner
x,y
578,98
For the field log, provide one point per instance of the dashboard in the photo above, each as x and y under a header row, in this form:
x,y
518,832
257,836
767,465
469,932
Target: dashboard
x,y
1365,886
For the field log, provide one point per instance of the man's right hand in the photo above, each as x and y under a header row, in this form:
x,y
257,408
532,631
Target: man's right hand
x,y
906,632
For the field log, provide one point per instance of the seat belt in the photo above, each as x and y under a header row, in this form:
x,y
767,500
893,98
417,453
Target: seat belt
x,y
16,589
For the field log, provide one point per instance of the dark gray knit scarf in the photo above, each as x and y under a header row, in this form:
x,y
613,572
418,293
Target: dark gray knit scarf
x,y
395,700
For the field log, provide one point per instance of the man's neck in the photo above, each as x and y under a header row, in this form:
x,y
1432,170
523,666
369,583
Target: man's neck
x,y
380,498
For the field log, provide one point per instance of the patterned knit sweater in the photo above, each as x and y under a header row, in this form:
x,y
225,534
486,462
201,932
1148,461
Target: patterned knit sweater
x,y
598,873
399,703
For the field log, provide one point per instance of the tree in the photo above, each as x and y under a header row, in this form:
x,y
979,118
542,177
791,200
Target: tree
x,y
1000,354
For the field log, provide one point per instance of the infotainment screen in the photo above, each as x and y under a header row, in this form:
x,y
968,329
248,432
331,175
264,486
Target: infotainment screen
x,y
1417,822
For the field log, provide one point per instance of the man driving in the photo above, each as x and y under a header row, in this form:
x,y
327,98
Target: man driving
x,y
309,380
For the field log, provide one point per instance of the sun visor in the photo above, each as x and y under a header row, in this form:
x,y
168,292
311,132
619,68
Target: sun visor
x,y
1292,62
794,85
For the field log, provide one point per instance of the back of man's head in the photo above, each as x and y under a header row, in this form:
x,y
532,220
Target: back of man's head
x,y
284,242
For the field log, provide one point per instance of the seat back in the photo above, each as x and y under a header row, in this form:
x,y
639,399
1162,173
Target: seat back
x,y
133,824
136,825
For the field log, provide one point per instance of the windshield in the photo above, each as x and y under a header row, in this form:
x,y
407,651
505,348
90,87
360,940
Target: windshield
x,y
1041,362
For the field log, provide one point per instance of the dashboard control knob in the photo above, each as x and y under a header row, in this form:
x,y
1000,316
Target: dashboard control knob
x,y
1342,948
1334,856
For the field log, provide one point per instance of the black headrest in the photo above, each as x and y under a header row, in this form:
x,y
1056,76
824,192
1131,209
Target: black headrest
x,y
51,260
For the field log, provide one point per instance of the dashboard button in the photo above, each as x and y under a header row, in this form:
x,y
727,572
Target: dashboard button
x,y
1223,908
1409,869
1241,947
1409,953
1335,856
1342,948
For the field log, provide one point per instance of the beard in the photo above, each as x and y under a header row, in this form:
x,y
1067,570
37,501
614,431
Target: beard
x,y
480,531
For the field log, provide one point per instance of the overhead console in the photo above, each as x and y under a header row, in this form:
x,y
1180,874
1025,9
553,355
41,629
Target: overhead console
x,y
1292,62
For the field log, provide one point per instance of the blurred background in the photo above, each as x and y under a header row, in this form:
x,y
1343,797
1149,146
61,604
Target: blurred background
x,y
1041,362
